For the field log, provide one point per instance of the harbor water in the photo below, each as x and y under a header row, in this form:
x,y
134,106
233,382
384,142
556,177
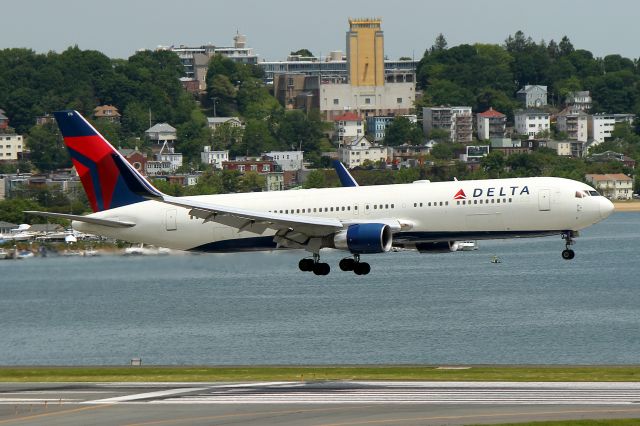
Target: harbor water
x,y
257,308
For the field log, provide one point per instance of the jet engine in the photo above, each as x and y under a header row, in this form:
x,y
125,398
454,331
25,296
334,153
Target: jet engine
x,y
364,238
437,247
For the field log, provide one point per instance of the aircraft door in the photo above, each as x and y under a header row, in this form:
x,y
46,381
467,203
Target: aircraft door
x,y
171,222
544,200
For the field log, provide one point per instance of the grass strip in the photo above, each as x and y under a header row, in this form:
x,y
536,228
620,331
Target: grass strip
x,y
312,373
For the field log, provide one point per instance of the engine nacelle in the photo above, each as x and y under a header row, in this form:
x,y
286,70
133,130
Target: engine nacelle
x,y
437,247
364,238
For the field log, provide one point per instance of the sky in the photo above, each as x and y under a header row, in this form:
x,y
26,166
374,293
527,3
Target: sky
x,y
274,28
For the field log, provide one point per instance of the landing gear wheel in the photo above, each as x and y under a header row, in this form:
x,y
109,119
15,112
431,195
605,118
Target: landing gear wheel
x,y
361,268
347,264
306,265
567,253
321,268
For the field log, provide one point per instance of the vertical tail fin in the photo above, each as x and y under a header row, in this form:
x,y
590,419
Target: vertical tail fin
x,y
343,174
95,160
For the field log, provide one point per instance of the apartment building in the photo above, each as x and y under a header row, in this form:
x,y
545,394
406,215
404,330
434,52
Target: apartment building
x,y
613,186
533,96
575,123
11,146
491,124
457,120
355,153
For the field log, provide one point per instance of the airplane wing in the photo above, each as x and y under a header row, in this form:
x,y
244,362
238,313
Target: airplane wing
x,y
291,230
88,219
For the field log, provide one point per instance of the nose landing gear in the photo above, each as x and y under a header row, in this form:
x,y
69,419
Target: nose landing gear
x,y
354,264
314,265
567,253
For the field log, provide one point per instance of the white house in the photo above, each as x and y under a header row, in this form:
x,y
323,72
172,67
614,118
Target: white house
x,y
580,100
531,122
10,146
214,122
168,155
356,152
614,186
161,133
215,158
348,126
287,160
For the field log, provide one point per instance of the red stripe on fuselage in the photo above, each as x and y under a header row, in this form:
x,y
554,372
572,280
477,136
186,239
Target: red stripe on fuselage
x,y
99,151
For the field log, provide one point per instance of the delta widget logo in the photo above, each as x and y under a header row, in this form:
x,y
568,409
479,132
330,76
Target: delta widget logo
x,y
460,195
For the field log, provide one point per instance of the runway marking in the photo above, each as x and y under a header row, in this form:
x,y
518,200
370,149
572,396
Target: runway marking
x,y
146,395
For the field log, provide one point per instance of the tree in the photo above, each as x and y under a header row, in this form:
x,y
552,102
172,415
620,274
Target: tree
x,y
315,179
493,163
402,131
47,148
251,182
302,52
565,46
440,44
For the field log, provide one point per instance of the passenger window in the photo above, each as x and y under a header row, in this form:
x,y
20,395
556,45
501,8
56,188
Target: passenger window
x,y
331,208
475,201
510,200
415,204
429,204
375,206
420,204
498,200
392,206
349,208
440,203
326,209
446,203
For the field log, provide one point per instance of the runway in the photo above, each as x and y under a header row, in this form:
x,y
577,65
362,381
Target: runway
x,y
312,403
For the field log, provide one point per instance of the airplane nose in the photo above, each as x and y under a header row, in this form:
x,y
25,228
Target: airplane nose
x,y
606,207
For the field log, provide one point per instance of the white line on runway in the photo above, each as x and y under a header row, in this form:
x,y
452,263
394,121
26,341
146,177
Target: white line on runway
x,y
146,395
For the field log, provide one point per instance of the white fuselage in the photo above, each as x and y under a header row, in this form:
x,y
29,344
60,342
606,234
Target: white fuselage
x,y
441,211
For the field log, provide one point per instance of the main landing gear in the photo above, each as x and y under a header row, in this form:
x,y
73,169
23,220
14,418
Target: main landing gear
x,y
567,253
314,265
347,264
354,264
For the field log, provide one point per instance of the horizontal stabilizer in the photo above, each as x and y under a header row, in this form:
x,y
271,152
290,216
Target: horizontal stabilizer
x,y
88,219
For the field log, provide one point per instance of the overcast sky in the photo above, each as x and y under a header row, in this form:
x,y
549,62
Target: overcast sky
x,y
274,28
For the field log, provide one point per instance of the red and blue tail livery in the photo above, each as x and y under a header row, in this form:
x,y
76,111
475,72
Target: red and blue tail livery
x,y
95,161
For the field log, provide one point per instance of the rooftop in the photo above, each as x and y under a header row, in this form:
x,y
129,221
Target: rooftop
x,y
348,116
161,127
491,113
615,176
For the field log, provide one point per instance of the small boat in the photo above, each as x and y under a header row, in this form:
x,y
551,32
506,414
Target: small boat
x,y
496,259
467,245
4,254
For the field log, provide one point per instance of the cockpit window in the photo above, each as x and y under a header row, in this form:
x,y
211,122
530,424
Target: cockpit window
x,y
594,193
579,194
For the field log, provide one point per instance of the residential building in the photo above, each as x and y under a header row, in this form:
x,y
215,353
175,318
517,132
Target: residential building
x,y
355,153
531,122
4,120
348,126
107,112
7,227
457,120
297,91
601,126
609,156
136,158
45,119
579,101
168,154
215,122
491,124
533,96
575,123
258,165
368,89
215,158
157,168
274,181
11,146
406,155
161,133
613,186
562,148
377,125
286,160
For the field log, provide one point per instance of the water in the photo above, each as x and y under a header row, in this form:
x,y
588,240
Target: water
x,y
533,308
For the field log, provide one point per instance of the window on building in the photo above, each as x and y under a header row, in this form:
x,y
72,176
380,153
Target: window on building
x,y
336,102
399,100
367,100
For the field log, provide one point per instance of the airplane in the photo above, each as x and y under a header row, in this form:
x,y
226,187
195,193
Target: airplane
x,y
359,220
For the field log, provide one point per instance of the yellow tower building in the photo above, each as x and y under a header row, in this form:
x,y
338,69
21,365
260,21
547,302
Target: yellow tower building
x,y
365,52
